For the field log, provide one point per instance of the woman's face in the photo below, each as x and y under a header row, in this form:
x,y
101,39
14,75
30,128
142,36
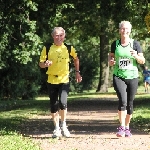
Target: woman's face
x,y
125,30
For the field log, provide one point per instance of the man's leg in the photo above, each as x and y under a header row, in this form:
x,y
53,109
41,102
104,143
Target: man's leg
x,y
63,114
145,85
63,94
148,83
55,117
54,106
57,130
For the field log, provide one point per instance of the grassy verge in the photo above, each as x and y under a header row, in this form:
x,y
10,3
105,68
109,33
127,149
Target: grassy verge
x,y
13,141
10,121
141,115
15,113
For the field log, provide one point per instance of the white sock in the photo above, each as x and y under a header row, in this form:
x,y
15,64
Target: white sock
x,y
63,123
57,126
123,125
126,127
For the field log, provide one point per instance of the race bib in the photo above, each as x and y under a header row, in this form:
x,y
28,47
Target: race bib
x,y
125,63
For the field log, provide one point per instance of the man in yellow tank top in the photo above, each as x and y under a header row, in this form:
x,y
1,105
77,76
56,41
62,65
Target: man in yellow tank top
x,y
57,62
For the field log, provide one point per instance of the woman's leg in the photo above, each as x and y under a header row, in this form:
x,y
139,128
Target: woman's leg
x,y
131,91
122,116
120,88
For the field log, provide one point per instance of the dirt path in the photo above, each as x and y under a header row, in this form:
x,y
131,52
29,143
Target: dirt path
x,y
93,126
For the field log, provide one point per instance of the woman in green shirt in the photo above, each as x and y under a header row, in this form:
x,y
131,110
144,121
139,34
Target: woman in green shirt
x,y
125,54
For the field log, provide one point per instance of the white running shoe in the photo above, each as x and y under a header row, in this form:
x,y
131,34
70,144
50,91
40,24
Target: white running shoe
x,y
65,132
56,133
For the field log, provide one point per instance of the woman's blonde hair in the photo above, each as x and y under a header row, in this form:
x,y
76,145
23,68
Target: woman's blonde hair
x,y
124,22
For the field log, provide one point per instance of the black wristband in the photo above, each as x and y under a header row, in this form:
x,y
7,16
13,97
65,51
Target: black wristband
x,y
77,71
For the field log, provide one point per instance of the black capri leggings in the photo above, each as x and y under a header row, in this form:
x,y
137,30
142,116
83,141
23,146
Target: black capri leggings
x,y
126,90
58,94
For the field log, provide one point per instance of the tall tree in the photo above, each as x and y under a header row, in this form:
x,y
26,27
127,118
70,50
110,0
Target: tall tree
x,y
84,20
19,45
131,10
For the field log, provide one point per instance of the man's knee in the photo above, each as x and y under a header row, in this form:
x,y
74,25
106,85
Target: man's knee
x,y
63,106
63,100
54,107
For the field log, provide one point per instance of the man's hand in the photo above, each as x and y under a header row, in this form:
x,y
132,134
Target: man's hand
x,y
45,64
48,63
78,77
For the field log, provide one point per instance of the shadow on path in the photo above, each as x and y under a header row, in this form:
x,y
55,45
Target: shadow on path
x,y
85,117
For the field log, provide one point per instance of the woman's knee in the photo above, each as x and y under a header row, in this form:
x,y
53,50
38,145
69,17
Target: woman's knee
x,y
129,109
122,107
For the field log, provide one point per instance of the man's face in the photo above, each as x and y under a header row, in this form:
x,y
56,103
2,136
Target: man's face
x,y
125,30
58,37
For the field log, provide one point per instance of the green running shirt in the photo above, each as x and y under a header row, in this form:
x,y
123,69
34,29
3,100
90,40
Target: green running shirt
x,y
126,65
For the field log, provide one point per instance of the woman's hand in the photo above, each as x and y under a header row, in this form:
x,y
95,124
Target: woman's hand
x,y
133,53
111,59
138,56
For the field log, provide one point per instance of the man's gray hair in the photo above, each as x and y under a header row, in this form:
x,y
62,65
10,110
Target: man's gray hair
x,y
124,22
57,28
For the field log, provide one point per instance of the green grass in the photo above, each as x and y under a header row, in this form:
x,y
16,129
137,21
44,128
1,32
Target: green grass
x,y
13,141
14,113
141,115
10,121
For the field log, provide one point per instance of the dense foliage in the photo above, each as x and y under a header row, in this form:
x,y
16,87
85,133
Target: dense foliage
x,y
90,27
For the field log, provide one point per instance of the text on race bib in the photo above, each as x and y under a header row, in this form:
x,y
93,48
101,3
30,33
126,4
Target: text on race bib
x,y
125,63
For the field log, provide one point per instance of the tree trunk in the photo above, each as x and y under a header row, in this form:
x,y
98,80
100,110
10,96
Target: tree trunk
x,y
104,67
